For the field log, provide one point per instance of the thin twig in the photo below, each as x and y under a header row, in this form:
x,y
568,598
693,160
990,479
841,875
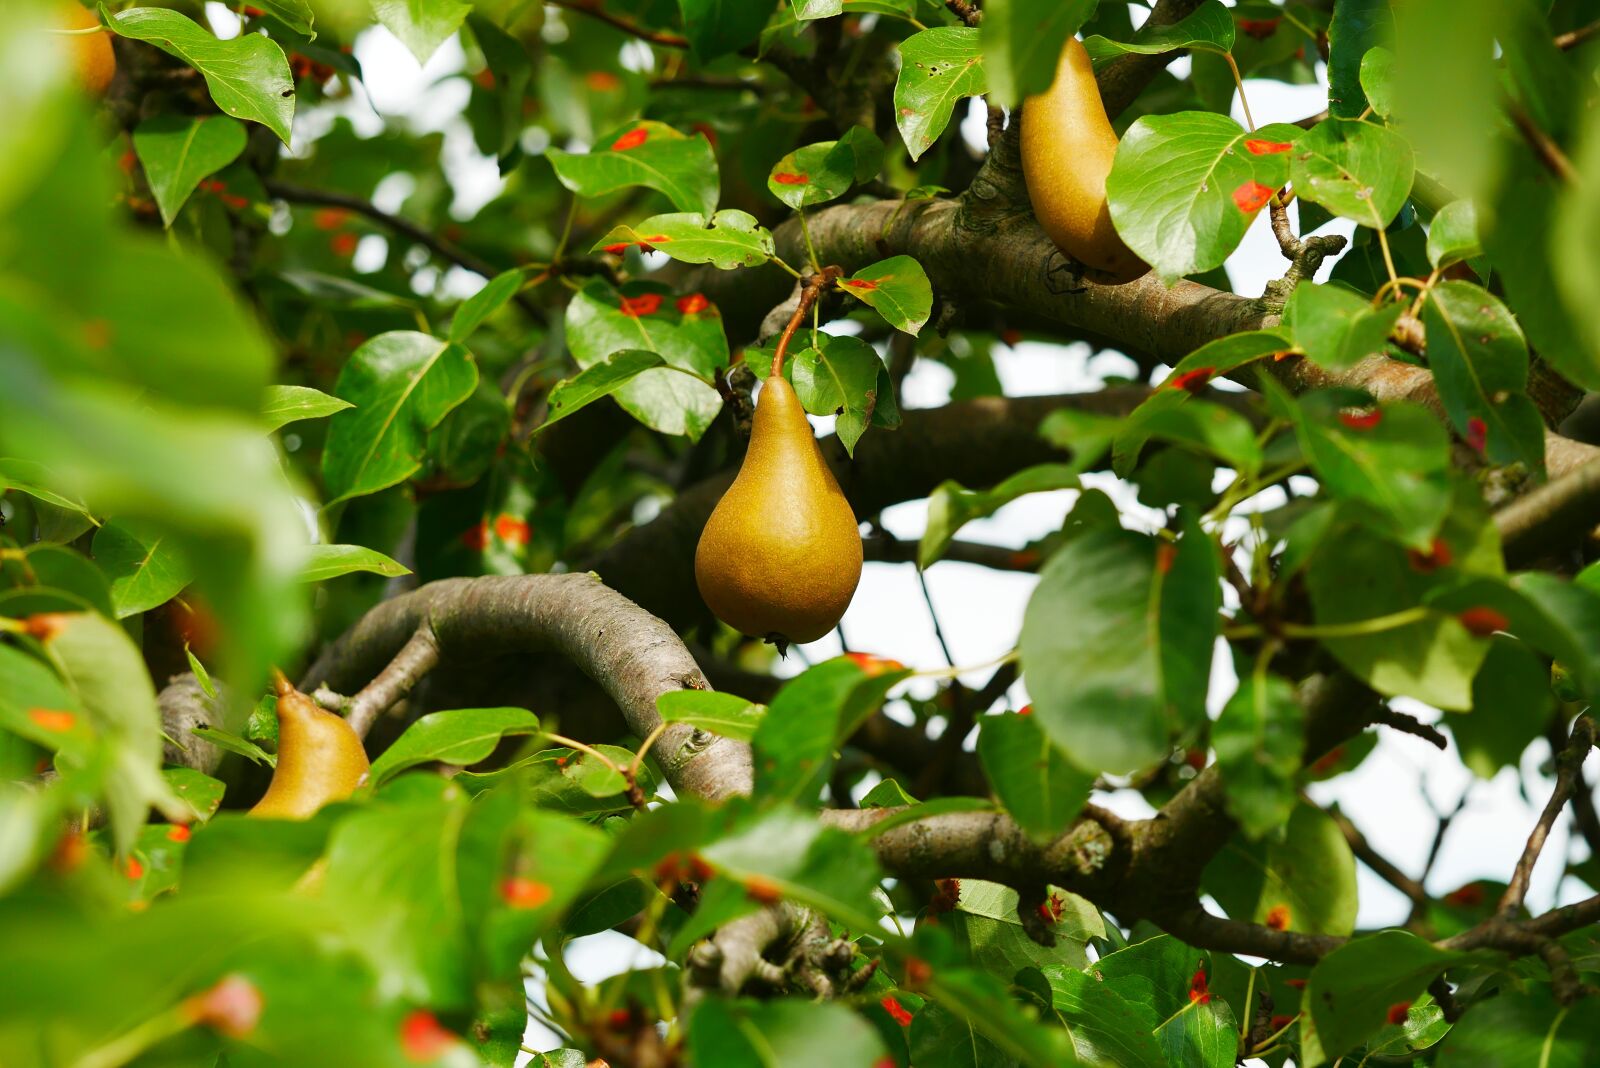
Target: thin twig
x,y
1376,861
1545,150
1574,38
1413,726
414,660
594,10
964,11
810,290
296,194
933,614
1568,762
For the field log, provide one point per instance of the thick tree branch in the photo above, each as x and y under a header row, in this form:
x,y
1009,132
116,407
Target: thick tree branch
x,y
1124,79
415,659
1552,518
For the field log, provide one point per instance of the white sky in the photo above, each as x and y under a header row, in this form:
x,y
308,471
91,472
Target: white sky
x,y
981,610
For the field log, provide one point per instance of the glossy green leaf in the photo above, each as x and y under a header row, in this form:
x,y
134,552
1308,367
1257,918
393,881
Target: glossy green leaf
x,y
282,405
177,151
1259,739
1355,169
421,25
1337,328
647,153
1447,79
1022,41
1356,27
1511,703
596,381
476,309
1198,426
1559,618
1186,187
952,506
716,27
720,713
1453,234
402,384
800,860
1160,972
897,288
462,736
938,67
1041,790
35,479
248,75
1480,364
1503,1031
144,568
815,174
842,376
730,239
1107,1027
784,1033
324,562
1208,28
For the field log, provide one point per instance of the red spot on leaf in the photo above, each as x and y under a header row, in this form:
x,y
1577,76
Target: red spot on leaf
x,y
785,178
1010,336
1199,990
602,81
1251,196
704,129
1260,29
619,248
1192,381
1166,553
128,161
1437,556
1279,1022
485,79
252,12
1281,355
46,625
1258,147
619,1020
946,892
330,218
1398,1011
1327,761
693,304
343,244
1466,897
71,850
918,972
231,1008
1025,710
423,1038
658,239
511,529
1298,984
1050,911
632,139
476,538
860,283
521,892
896,1010
1278,917
1195,758
763,890
644,304
1477,433
874,665
178,832
134,869
1482,621
53,720
1362,420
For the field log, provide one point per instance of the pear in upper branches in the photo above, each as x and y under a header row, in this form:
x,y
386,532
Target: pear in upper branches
x,y
320,758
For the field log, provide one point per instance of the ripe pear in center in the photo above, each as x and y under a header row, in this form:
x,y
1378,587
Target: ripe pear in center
x,y
320,759
780,556
1068,146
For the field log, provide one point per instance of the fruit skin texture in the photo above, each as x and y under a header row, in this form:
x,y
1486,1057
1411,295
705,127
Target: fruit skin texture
x,y
320,759
780,556
1067,149
96,63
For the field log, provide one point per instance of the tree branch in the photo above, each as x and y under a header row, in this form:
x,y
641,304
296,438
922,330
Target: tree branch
x,y
594,10
415,659
1569,763
1551,518
1380,865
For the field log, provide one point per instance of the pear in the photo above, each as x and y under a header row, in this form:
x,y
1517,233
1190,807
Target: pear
x,y
1067,149
92,56
780,556
320,759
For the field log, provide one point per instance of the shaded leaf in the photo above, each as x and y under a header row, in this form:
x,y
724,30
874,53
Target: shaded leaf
x,y
597,380
720,713
177,151
1305,881
1041,790
1480,364
282,405
462,736
144,568
938,67
1022,41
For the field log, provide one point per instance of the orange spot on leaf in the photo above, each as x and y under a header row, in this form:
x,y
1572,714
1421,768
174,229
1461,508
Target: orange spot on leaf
x,y
523,893
783,178
1166,553
1278,917
693,304
1477,433
1251,196
1398,1011
761,889
1192,381
1362,420
631,139
476,538
1258,147
918,972
134,869
1199,989
343,244
896,1010
1025,710
602,81
618,249
644,304
423,1038
1482,621
330,218
53,720
860,283
178,832
874,665
511,529
1437,556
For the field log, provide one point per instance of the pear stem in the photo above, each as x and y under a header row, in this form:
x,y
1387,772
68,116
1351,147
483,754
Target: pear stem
x,y
811,289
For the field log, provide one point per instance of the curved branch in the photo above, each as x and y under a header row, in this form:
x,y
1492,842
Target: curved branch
x,y
415,659
1551,518
634,656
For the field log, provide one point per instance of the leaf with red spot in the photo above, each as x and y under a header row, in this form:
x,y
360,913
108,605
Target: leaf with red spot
x,y
729,239
652,154
1185,187
1308,871
177,151
814,174
1560,619
1480,364
938,67
898,288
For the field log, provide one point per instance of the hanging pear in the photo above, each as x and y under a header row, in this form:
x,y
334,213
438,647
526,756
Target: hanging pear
x,y
1067,149
780,556
92,56
320,759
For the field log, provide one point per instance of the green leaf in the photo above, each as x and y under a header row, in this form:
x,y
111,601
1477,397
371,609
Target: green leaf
x,y
282,405
1041,790
802,861
805,10
815,174
1353,989
783,1033
324,562
1022,42
806,722
1336,327
144,568
647,153
1377,81
1159,972
989,931
720,713
1209,28
677,399
1357,26
248,76
421,25
1186,187
716,27
476,309
295,14
897,288
731,238
597,380
462,736
938,67
200,792
1355,169
1227,354
1259,739
1106,1026
402,384
1448,75
177,151
1196,425
986,1027
34,479
951,506
1305,881
1559,618
234,744
1098,671
1511,703
1480,364
1453,234
1504,1030
840,377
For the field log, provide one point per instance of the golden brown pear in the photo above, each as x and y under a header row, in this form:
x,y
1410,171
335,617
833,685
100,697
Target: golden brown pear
x,y
1067,148
320,759
96,63
781,554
